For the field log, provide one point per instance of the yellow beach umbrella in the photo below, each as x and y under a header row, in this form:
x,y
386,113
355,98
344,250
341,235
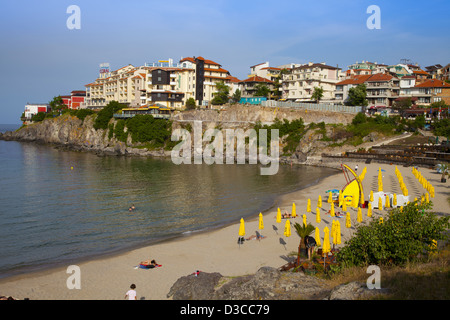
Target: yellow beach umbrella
x,y
334,232
318,215
332,210
261,222
294,213
387,202
340,197
344,206
338,232
359,217
380,204
326,241
427,197
348,222
369,210
371,196
319,202
317,236
330,197
242,228
308,206
279,215
394,200
304,219
287,228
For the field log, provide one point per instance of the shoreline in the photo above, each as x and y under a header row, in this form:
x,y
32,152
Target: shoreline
x,y
216,250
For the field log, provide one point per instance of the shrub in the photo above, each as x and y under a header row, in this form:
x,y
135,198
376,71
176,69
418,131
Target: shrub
x,y
402,237
105,115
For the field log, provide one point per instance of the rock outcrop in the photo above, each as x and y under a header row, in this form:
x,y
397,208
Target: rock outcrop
x,y
266,284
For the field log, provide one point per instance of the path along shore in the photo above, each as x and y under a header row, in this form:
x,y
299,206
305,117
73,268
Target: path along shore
x,y
109,278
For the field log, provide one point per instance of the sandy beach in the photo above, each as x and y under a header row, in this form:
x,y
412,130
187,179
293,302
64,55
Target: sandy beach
x,y
217,251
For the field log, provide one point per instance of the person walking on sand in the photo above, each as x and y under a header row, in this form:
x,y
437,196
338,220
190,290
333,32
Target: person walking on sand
x,y
356,168
131,294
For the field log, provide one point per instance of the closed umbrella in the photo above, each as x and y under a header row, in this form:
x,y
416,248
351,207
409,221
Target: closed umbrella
x,y
348,222
319,202
394,200
318,215
344,206
241,232
371,196
369,210
380,203
287,228
308,206
338,232
359,218
326,243
261,222
304,219
387,202
330,197
333,231
294,213
332,210
317,236
279,215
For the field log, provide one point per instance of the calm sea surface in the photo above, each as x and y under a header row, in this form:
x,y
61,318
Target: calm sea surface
x,y
60,206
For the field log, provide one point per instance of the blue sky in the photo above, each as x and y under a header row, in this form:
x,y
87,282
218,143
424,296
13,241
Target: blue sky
x,y
41,58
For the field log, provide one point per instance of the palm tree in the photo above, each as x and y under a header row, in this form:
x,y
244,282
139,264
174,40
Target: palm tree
x,y
302,231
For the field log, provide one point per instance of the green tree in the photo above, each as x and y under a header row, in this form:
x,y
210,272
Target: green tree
x,y
403,104
302,231
190,104
317,94
221,96
261,90
105,115
57,104
357,96
236,96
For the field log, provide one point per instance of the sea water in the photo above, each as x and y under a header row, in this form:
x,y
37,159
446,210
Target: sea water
x,y
58,207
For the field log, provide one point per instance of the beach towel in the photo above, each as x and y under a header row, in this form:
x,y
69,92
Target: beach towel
x,y
143,266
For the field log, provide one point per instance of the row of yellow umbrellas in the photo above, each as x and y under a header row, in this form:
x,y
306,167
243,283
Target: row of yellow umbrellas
x,y
400,180
424,182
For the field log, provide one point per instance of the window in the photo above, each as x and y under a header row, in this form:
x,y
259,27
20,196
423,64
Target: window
x,y
159,78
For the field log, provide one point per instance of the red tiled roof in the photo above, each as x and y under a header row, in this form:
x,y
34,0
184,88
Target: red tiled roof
x,y
256,79
433,83
358,79
421,72
380,77
233,79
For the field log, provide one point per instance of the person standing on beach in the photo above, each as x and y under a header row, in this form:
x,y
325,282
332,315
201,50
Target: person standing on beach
x,y
356,168
131,294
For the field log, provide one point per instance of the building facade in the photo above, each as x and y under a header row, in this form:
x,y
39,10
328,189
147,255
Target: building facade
x,y
299,83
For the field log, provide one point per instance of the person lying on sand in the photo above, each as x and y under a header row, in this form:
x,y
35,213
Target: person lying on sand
x,y
258,236
149,264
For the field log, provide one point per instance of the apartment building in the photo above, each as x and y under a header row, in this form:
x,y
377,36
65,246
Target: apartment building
x,y
365,68
299,83
33,108
382,89
163,82
430,91
75,100
249,86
